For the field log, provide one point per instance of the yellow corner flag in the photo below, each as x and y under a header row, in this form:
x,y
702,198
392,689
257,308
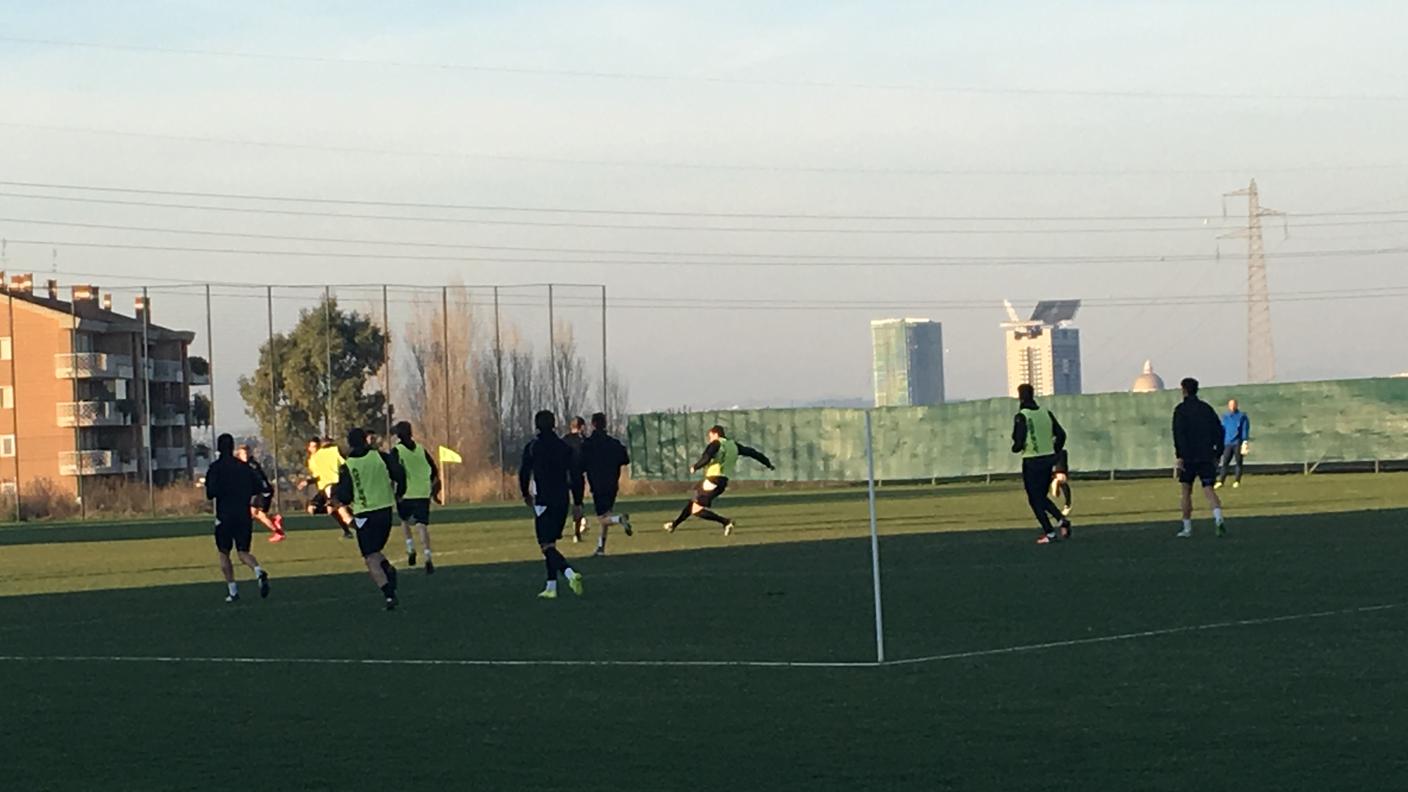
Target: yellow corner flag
x,y
448,455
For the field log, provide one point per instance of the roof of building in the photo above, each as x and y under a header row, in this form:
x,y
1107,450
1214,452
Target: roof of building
x,y
92,311
1148,381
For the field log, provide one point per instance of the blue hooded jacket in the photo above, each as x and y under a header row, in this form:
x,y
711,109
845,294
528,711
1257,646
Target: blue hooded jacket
x,y
1236,428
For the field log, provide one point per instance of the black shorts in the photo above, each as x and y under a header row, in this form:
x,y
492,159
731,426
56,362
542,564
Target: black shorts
x,y
263,503
705,494
1204,471
373,529
604,501
319,503
1063,463
414,510
233,532
549,523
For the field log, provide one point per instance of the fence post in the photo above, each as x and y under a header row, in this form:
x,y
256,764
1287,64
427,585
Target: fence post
x,y
874,540
445,353
386,358
14,404
273,397
210,367
605,370
147,400
499,391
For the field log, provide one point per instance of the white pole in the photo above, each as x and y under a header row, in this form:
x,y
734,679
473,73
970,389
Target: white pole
x,y
874,541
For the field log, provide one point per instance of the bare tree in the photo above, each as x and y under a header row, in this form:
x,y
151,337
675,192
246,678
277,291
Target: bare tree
x,y
441,388
567,371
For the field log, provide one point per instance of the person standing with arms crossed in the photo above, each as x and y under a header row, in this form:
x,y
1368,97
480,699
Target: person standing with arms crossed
x,y
233,486
1236,437
1039,438
422,485
545,479
370,482
1197,444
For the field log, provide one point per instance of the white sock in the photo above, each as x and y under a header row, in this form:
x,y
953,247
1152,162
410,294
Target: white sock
x,y
552,585
234,589
1217,516
1188,525
258,570
427,554
410,545
600,543
570,573
615,519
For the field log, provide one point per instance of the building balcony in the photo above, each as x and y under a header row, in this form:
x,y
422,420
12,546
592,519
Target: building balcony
x,y
197,379
93,463
166,371
169,458
91,413
93,365
164,416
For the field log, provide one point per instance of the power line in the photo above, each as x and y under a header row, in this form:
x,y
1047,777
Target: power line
x,y
421,244
703,166
706,79
952,261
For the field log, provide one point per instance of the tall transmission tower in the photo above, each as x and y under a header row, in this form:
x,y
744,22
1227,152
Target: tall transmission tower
x,y
1261,352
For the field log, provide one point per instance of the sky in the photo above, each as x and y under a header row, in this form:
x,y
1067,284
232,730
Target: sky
x,y
686,139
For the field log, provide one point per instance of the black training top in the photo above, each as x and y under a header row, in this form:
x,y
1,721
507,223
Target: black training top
x,y
264,486
232,484
1197,431
548,462
603,456
575,442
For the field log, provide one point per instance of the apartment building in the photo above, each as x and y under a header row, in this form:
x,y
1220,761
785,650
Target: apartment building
x,y
88,393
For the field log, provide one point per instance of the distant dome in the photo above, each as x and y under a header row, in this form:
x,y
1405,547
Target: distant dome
x,y
1148,382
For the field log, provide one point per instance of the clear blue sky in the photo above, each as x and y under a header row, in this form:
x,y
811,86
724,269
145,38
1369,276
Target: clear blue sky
x,y
894,139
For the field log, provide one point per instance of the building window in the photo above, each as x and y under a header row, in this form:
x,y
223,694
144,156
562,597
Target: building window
x,y
7,487
6,349
7,397
7,445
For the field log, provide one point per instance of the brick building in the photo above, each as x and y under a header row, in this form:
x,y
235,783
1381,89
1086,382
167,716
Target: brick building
x,y
87,392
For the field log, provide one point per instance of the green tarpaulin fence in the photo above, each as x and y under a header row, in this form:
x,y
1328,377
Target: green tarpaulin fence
x,y
1293,423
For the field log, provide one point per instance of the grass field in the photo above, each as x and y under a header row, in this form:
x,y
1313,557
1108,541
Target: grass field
x,y
1125,659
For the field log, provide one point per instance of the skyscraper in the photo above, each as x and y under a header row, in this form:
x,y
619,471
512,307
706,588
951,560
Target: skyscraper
x,y
1044,350
909,362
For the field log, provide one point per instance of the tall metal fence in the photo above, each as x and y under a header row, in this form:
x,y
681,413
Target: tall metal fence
x,y
115,395
1292,424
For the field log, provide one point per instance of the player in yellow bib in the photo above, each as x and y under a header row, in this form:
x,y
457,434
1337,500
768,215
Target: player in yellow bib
x,y
422,485
1040,439
719,461
324,464
370,482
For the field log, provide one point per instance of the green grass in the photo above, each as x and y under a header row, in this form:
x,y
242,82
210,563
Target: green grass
x,y
1308,703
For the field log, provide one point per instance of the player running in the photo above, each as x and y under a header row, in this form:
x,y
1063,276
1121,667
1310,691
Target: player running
x,y
719,461
545,478
233,485
422,484
324,464
575,437
264,501
603,457
371,482
1197,444
1039,438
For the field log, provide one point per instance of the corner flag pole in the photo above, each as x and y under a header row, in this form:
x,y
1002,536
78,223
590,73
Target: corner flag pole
x,y
874,540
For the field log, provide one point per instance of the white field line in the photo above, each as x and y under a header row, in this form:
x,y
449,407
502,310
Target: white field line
x,y
452,662
1131,636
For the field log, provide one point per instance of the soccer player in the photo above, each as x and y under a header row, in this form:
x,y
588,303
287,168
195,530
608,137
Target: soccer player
x,y
422,484
548,467
576,436
259,507
719,461
233,486
1039,438
325,465
1197,443
1236,436
1061,480
603,457
371,482
318,503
